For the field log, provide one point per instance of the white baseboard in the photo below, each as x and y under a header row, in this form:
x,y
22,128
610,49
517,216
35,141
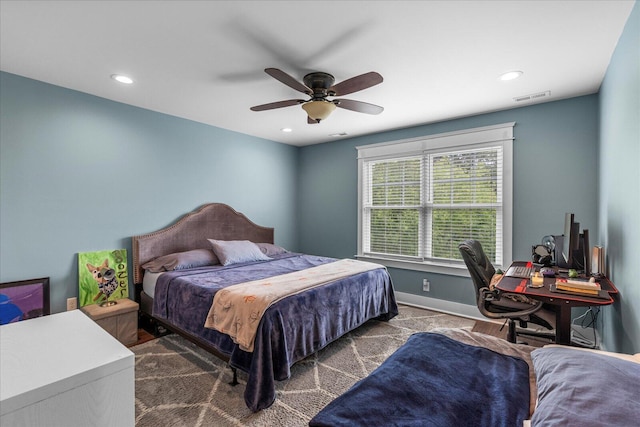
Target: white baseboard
x,y
443,306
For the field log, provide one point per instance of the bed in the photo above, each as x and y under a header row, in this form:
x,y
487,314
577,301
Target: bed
x,y
456,377
180,270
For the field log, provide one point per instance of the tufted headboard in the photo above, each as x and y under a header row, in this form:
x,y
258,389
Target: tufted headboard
x,y
210,221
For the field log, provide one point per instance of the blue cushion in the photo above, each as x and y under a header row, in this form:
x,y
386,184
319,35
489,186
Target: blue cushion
x,y
583,388
433,380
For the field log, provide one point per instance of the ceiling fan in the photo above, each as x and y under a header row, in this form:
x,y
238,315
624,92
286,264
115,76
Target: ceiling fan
x,y
319,86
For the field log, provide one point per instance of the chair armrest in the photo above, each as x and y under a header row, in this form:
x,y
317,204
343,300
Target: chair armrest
x,y
486,294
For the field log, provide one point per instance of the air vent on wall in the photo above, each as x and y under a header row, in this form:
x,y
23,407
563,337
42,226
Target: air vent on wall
x,y
533,97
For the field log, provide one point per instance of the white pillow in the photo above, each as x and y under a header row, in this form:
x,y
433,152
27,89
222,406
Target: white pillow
x,y
237,251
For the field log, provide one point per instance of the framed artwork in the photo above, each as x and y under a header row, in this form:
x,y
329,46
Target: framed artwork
x,y
24,300
102,277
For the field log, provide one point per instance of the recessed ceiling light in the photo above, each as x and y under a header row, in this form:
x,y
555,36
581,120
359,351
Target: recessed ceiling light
x,y
510,75
122,79
286,130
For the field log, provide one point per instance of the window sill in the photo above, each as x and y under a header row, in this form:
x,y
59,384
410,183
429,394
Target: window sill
x,y
451,270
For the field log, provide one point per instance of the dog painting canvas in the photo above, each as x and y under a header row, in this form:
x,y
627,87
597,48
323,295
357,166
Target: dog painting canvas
x,y
103,277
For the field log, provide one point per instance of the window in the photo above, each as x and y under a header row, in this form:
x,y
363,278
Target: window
x,y
419,198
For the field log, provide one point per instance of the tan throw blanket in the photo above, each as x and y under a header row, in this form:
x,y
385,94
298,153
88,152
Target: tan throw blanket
x,y
237,310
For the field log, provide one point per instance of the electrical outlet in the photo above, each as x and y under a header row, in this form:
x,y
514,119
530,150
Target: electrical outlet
x,y
72,303
426,285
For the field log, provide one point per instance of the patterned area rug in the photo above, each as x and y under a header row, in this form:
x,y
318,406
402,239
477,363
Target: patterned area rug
x,y
179,384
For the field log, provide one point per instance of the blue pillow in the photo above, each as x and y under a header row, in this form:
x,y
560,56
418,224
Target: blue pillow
x,y
181,260
237,251
582,388
269,249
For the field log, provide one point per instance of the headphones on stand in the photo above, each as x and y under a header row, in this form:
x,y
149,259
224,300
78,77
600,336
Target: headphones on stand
x,y
541,254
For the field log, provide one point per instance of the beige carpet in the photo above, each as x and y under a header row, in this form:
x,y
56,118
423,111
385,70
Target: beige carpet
x,y
178,384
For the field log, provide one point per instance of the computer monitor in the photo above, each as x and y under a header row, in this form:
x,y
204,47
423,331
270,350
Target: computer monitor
x,y
569,240
575,246
586,252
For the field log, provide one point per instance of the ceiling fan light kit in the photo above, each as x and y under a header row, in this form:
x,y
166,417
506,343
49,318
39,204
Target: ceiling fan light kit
x,y
319,110
319,86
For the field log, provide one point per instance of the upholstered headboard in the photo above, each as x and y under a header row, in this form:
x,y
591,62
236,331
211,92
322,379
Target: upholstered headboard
x,y
210,221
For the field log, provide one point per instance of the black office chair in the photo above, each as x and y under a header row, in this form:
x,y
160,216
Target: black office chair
x,y
495,304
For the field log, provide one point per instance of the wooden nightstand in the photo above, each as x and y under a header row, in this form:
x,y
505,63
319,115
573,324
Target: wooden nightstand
x,y
120,320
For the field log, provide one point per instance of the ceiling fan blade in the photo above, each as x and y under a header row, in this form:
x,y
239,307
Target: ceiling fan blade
x,y
354,84
288,80
359,106
279,104
312,121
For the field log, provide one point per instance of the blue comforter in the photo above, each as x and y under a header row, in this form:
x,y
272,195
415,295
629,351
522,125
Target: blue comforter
x,y
433,380
290,330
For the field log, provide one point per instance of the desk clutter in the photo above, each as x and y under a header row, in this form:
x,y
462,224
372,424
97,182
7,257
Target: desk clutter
x,y
537,280
588,288
522,271
570,250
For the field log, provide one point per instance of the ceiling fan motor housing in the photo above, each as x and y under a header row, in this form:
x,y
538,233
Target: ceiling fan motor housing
x,y
319,82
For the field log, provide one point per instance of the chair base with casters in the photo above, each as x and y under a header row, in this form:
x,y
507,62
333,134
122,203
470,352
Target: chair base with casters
x,y
515,313
502,305
520,329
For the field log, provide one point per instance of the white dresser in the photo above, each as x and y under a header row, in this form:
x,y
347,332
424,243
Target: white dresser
x,y
64,370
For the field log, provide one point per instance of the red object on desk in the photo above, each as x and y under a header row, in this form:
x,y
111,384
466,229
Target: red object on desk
x,y
562,303
522,287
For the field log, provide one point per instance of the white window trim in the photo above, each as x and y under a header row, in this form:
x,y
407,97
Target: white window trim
x,y
501,133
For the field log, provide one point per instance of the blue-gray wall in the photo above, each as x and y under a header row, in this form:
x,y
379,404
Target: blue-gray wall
x,y
555,171
80,173
619,182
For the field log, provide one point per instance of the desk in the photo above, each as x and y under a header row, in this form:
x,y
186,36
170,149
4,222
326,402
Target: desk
x,y
562,303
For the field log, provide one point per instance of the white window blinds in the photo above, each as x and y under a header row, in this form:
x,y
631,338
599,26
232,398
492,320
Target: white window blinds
x,y
420,198
393,205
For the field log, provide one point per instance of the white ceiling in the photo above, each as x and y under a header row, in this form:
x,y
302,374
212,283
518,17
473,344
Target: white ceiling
x,y
204,60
